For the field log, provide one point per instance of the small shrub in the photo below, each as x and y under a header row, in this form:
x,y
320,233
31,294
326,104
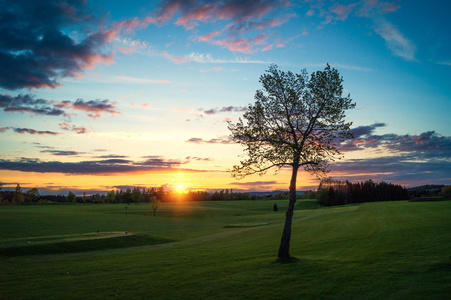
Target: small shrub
x,y
275,208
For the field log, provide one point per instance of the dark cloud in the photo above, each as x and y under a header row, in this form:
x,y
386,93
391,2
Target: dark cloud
x,y
408,159
32,131
96,167
63,152
426,145
401,169
214,111
111,156
218,140
27,103
36,51
93,108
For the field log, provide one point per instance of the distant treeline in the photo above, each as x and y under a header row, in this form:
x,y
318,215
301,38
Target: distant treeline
x,y
430,190
128,196
336,192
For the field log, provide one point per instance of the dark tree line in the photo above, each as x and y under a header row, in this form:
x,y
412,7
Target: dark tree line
x,y
336,192
127,196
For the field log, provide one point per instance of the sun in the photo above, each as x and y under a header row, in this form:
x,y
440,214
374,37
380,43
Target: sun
x,y
180,188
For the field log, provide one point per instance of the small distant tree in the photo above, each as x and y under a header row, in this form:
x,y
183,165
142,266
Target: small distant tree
x,y
155,202
446,191
18,195
32,195
275,208
296,121
71,197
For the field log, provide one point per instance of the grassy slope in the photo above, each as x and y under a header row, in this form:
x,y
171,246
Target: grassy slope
x,y
393,250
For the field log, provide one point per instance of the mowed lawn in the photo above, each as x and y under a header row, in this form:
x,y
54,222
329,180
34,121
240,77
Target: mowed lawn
x,y
226,250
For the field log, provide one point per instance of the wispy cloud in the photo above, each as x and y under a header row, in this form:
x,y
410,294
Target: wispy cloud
x,y
219,140
68,127
213,111
244,28
394,39
375,10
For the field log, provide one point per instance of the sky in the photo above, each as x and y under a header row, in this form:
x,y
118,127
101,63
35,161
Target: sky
x,y
101,95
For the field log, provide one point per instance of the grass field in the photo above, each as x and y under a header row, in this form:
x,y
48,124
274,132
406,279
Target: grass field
x,y
225,250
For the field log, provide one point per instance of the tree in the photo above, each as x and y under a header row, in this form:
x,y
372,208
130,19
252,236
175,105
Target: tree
x,y
446,191
136,195
18,195
296,121
32,195
71,197
155,202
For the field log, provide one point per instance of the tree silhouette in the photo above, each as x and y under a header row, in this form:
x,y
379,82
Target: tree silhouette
x,y
32,195
18,195
155,202
296,121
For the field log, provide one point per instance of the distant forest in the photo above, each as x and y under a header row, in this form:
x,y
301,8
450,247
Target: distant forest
x,y
330,192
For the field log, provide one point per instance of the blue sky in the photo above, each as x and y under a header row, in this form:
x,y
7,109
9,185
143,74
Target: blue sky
x,y
100,94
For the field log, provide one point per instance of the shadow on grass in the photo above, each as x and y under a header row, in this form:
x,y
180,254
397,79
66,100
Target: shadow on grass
x,y
290,260
84,245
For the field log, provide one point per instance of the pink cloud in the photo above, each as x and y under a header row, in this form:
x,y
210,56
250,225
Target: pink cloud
x,y
267,47
343,11
208,37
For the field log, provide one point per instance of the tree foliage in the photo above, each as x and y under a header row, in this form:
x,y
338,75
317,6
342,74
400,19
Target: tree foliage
x,y
32,195
155,202
71,197
18,195
296,121
336,192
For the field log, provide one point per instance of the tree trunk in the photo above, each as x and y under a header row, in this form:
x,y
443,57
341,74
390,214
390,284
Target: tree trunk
x,y
284,249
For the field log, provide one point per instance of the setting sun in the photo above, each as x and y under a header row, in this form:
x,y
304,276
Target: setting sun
x,y
179,188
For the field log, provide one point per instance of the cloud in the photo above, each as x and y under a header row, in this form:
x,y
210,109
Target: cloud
x,y
375,10
219,140
63,152
93,108
418,158
33,131
213,111
78,130
114,166
207,58
244,23
427,145
27,103
198,158
401,169
36,49
395,41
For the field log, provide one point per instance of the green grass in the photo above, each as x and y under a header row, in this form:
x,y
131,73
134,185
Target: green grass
x,y
227,250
